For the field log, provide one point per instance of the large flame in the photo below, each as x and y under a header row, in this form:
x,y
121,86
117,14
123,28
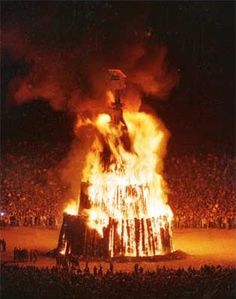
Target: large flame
x,y
125,185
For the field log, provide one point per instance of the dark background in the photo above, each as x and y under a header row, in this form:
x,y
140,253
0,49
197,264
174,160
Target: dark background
x,y
200,111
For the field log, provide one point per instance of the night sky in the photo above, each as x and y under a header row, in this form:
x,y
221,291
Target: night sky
x,y
65,43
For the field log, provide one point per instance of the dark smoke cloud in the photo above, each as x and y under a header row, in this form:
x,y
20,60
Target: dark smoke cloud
x,y
70,72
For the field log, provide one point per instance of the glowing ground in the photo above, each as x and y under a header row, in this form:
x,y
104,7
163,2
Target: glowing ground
x,y
201,246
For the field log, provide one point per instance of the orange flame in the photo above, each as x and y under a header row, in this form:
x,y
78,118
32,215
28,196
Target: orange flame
x,y
63,250
110,97
126,183
72,208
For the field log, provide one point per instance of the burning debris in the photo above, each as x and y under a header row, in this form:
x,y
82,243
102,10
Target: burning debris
x,y
122,210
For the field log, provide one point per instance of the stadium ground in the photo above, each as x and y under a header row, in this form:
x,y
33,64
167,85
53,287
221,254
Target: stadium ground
x,y
211,246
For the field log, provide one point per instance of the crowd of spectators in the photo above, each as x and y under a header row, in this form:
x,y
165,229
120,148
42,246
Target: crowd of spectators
x,y
202,191
32,193
32,282
201,188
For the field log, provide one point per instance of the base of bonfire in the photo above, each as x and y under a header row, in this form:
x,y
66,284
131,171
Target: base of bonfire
x,y
78,239
175,255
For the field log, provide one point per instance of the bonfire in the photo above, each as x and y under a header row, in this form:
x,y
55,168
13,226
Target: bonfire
x,y
123,202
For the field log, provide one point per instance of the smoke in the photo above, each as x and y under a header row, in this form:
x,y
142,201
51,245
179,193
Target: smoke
x,y
67,63
70,168
52,72
73,75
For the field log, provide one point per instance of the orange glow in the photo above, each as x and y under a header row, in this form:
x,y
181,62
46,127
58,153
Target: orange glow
x,y
63,251
72,208
102,120
110,97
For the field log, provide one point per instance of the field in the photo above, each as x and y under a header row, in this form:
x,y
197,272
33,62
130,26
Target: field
x,y
201,246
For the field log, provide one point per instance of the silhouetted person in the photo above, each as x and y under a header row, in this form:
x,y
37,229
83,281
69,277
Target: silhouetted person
x,y
35,255
79,271
58,260
100,271
86,269
31,255
14,254
136,267
4,245
95,270
111,267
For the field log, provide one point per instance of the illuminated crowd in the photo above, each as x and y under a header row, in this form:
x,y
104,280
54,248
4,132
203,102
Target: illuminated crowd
x,y
201,188
32,194
32,282
202,191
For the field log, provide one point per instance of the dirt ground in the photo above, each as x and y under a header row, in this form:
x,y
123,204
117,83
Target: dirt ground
x,y
201,246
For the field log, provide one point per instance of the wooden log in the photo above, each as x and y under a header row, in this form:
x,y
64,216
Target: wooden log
x,y
148,223
143,235
137,235
122,250
128,235
162,233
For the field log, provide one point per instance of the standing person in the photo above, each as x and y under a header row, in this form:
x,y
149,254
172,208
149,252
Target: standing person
x,y
136,268
58,260
4,245
74,261
25,255
86,270
14,254
31,255
141,270
35,255
79,271
111,267
95,270
100,271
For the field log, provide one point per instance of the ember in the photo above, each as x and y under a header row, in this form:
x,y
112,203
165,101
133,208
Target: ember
x,y
123,201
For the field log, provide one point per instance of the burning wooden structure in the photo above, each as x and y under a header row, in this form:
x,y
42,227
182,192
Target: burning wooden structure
x,y
123,209
79,239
